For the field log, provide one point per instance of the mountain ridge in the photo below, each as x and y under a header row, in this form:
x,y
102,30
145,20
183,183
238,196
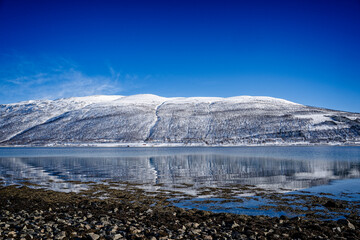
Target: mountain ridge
x,y
151,119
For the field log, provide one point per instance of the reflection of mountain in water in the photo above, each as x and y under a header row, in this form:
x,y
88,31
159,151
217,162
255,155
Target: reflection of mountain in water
x,y
200,170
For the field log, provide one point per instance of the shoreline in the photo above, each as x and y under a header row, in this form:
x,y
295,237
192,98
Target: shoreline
x,y
103,212
175,145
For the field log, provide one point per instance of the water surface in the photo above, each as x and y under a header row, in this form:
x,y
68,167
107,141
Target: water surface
x,y
283,169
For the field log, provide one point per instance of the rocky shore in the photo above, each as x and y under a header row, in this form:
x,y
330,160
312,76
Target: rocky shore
x,y
27,213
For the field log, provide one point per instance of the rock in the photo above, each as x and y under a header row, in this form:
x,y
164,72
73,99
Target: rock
x,y
12,233
351,226
347,223
235,225
295,219
196,231
332,204
93,236
113,228
60,235
117,236
134,230
99,226
30,236
270,231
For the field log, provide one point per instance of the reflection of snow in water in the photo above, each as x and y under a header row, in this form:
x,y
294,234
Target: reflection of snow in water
x,y
20,171
209,169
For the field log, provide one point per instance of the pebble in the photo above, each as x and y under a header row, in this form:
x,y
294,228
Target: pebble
x,y
61,235
351,226
234,225
93,236
117,236
144,222
12,233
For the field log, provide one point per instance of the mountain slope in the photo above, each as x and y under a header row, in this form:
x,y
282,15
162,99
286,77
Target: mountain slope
x,y
153,119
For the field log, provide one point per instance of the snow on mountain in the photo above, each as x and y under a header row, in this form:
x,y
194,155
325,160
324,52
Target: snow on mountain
x,y
151,119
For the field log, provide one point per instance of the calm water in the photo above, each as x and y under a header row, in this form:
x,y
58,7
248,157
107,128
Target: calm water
x,y
289,170
275,168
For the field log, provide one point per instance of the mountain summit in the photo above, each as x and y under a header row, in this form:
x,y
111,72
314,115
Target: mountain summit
x,y
150,120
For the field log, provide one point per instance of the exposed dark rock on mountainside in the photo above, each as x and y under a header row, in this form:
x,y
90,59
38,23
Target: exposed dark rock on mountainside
x,y
150,119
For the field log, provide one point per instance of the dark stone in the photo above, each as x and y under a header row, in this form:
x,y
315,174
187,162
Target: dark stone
x,y
332,204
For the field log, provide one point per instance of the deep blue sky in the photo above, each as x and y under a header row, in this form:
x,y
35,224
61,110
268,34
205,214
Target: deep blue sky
x,y
303,51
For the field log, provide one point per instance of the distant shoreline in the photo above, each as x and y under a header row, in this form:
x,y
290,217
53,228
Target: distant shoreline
x,y
160,145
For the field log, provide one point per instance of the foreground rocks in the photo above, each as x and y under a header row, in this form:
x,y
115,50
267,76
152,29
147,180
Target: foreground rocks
x,y
27,213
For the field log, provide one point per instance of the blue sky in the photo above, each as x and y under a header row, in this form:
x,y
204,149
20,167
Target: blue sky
x,y
303,51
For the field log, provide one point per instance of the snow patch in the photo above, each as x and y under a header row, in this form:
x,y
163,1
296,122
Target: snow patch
x,y
315,118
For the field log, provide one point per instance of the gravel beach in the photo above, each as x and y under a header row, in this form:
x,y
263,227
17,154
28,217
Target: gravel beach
x,y
27,213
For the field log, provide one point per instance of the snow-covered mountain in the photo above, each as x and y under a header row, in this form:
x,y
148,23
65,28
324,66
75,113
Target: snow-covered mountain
x,y
149,119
